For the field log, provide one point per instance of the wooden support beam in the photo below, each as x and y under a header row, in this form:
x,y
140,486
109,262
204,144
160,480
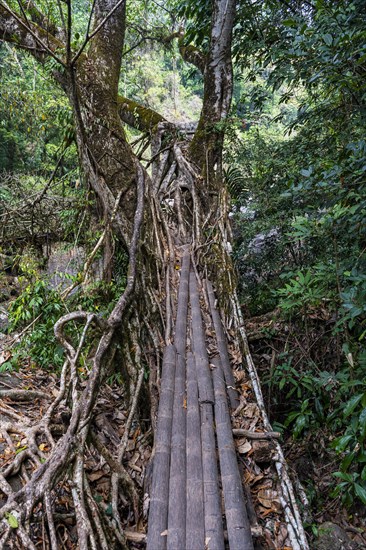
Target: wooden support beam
x,y
222,348
177,486
195,527
158,513
237,521
214,534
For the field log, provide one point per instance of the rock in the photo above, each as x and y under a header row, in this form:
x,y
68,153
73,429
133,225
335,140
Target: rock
x,y
63,259
263,241
333,537
4,322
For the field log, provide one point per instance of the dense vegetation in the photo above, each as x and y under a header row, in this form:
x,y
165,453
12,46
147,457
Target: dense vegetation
x,y
301,234
295,164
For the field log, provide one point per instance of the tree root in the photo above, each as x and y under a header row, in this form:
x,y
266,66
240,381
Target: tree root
x,y
76,399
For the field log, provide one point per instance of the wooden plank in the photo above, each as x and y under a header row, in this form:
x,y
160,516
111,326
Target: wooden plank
x,y
158,513
177,485
205,387
214,532
237,521
195,527
222,348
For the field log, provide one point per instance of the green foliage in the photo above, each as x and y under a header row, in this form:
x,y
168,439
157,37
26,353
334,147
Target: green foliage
x,y
39,306
303,155
303,291
43,306
30,122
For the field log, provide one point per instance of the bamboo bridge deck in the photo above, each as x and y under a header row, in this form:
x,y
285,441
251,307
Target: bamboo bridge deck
x,y
197,498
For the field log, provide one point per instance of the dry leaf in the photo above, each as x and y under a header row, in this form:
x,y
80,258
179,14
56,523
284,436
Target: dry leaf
x,y
269,499
244,447
251,411
251,478
135,537
96,475
240,375
236,357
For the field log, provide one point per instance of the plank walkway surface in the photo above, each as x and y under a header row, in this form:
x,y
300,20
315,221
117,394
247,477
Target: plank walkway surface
x,y
197,494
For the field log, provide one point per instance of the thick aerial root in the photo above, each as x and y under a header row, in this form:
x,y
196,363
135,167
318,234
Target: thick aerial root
x,y
53,471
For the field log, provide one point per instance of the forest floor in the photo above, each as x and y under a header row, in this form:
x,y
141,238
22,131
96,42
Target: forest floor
x,y
110,416
311,463
310,458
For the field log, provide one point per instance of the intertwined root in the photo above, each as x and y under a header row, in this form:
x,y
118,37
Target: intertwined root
x,y
46,476
58,449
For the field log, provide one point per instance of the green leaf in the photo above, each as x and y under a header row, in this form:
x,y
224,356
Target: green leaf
x,y
328,39
300,424
290,23
306,173
352,404
360,492
341,443
346,462
362,422
342,475
12,520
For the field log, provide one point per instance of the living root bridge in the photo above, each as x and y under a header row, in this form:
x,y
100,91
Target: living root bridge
x,y
194,424
185,507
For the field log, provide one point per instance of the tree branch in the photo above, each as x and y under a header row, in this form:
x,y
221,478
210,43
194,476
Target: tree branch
x,y
28,35
192,55
37,17
206,147
136,115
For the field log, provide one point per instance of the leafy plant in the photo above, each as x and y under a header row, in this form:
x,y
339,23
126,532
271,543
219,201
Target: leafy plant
x,y
40,306
302,291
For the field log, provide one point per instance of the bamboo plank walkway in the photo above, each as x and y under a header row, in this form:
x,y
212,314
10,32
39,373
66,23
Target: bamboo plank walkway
x,y
196,491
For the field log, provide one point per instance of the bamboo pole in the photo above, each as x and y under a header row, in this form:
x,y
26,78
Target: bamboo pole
x,y
177,484
214,532
237,521
180,338
158,513
292,514
205,388
195,527
222,348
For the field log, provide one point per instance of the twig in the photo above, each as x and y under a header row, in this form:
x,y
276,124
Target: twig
x,y
249,434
